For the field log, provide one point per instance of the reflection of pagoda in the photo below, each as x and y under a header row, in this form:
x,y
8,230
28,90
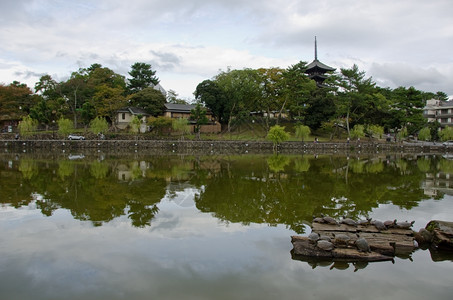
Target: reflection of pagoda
x,y
317,69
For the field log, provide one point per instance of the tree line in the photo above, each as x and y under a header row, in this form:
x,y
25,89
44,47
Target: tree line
x,y
88,93
348,99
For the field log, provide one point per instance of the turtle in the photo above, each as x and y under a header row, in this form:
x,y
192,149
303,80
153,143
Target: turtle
x,y
404,225
325,245
362,245
325,238
349,222
330,220
379,225
389,223
342,239
318,220
364,222
313,237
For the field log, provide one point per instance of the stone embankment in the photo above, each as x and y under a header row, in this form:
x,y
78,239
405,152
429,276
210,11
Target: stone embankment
x,y
222,146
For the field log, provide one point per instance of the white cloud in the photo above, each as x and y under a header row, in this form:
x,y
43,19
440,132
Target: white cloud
x,y
189,40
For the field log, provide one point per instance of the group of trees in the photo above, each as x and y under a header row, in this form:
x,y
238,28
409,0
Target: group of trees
x,y
89,93
346,99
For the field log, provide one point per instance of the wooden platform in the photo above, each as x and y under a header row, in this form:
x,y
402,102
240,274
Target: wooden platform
x,y
384,244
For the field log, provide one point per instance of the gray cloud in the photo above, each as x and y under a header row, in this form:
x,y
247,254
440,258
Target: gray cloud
x,y
399,74
196,38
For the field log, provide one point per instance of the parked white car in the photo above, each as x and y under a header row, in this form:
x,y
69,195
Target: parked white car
x,y
448,143
75,137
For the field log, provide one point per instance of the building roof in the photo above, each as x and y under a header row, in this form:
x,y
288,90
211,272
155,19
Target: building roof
x,y
133,111
183,108
316,66
438,104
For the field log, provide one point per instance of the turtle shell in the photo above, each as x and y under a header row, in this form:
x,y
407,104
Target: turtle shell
x,y
325,245
362,245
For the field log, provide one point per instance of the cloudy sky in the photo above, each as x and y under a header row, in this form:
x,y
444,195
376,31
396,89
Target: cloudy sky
x,y
398,43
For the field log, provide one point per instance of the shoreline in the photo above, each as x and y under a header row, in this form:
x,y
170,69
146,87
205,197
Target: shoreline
x,y
225,146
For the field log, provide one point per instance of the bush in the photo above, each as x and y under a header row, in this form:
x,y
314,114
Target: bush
x,y
65,126
302,132
99,125
27,126
446,134
424,134
277,135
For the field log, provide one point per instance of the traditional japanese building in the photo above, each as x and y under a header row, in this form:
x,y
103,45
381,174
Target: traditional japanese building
x,y
316,70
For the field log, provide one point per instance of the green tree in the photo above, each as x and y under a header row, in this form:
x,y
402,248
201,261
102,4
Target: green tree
x,y
242,91
198,115
88,112
358,131
160,124
297,90
402,133
434,128
272,100
407,109
27,126
47,87
149,99
142,77
181,125
172,97
375,131
213,97
135,124
277,135
65,126
446,134
107,100
302,132
99,125
424,134
42,113
356,96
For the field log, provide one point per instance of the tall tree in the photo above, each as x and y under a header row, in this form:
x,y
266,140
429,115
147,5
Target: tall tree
x,y
407,104
16,101
213,97
298,89
272,87
142,77
198,115
107,101
149,99
172,97
243,91
355,94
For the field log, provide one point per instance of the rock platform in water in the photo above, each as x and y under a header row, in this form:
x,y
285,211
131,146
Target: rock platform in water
x,y
384,244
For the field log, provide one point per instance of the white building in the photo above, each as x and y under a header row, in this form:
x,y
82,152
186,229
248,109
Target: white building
x,y
438,110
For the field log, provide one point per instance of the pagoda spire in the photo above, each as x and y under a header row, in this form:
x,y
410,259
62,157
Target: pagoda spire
x,y
316,49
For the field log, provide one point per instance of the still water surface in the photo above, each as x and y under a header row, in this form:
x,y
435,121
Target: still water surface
x,y
134,226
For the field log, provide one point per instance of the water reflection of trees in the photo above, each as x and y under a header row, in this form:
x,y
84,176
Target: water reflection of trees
x,y
255,190
273,190
90,190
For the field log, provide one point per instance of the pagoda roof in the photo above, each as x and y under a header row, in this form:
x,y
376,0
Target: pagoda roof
x,y
317,65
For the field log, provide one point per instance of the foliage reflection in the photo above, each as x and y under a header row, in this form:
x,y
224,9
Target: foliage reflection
x,y
273,190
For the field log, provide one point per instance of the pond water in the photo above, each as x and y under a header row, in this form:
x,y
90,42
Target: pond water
x,y
110,226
